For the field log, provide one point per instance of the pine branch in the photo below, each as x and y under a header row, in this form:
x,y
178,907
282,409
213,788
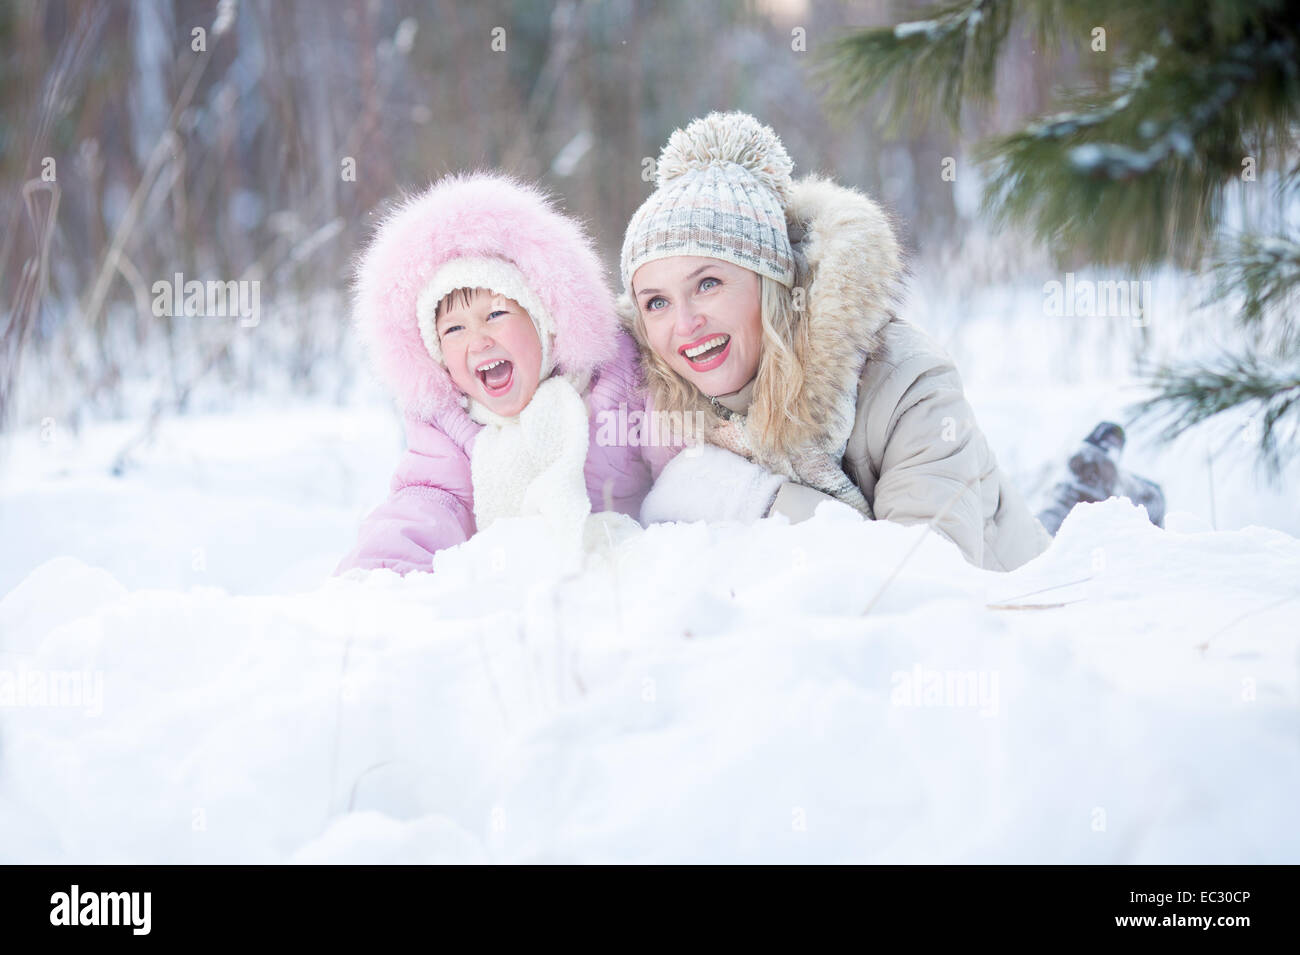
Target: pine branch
x,y
1265,272
1191,394
937,61
1132,172
1136,176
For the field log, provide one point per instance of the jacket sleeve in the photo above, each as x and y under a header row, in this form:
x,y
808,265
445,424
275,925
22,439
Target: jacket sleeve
x,y
934,457
798,502
430,506
622,465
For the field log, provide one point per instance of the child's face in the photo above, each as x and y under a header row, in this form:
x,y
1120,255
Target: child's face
x,y
491,350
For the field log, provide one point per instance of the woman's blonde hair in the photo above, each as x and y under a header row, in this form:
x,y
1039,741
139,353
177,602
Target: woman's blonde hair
x,y
775,417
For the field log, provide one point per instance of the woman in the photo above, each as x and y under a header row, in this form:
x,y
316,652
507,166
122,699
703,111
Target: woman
x,y
484,438
767,304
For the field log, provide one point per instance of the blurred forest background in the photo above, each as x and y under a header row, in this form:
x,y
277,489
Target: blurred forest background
x,y
258,140
228,162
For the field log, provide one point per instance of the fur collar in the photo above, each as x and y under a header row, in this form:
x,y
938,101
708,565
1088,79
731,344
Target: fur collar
x,y
854,276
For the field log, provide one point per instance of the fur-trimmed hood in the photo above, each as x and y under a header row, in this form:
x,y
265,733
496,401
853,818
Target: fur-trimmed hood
x,y
477,215
848,278
854,277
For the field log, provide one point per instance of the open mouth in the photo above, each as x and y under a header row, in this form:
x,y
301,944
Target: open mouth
x,y
705,354
497,376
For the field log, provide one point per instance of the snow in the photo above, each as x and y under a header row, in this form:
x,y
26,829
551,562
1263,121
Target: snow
x,y
182,681
930,28
700,694
260,500
1115,160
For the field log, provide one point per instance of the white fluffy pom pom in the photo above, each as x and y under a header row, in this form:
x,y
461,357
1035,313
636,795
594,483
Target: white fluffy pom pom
x,y
728,137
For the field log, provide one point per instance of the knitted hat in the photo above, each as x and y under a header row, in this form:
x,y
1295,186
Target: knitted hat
x,y
496,275
721,190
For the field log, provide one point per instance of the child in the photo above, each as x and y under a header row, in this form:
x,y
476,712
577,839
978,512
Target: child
x,y
487,313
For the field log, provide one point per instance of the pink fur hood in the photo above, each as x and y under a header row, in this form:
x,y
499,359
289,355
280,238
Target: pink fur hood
x,y
477,215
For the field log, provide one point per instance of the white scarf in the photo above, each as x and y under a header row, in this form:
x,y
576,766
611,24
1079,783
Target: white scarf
x,y
534,462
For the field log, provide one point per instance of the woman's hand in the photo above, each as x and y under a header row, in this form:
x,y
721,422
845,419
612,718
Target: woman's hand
x,y
818,469
708,483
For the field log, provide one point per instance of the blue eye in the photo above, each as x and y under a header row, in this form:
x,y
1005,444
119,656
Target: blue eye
x,y
650,305
499,311
708,279
452,328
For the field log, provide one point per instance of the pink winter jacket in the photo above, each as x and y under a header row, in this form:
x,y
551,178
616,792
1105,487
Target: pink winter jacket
x,y
431,501
431,504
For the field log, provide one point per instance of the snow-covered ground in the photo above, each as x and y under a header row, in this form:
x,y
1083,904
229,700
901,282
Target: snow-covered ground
x,y
710,694
703,694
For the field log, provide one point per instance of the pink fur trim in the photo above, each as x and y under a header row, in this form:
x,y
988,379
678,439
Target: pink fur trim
x,y
477,214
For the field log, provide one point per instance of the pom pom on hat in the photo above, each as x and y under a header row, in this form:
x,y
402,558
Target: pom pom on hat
x,y
728,138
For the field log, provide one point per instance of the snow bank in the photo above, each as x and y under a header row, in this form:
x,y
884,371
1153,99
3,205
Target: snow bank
x,y
701,694
265,500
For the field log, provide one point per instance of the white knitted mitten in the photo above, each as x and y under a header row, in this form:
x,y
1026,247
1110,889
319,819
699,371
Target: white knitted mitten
x,y
813,466
710,484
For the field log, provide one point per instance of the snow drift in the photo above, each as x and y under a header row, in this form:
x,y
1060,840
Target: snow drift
x,y
699,694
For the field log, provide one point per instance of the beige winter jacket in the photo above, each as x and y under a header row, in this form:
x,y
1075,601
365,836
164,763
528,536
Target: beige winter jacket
x,y
915,445
880,397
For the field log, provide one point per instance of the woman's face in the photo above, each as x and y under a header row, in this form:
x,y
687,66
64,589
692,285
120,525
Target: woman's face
x,y
702,316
